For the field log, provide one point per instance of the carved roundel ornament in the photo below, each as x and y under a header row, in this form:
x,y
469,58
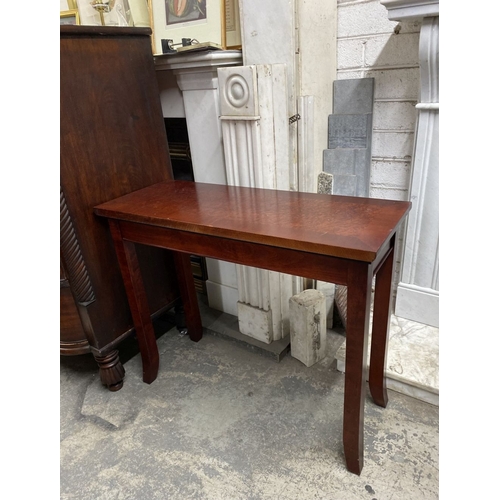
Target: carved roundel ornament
x,y
237,92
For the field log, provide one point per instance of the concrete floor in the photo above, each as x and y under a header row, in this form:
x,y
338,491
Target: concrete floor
x,y
225,422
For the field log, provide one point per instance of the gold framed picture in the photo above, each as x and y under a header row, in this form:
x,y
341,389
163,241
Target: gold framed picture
x,y
200,20
70,16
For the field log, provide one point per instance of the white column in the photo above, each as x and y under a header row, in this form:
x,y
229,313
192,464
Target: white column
x,y
255,130
418,292
196,78
417,296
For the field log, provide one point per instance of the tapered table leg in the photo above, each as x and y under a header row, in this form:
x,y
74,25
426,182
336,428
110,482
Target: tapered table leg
x,y
380,328
358,310
188,295
138,303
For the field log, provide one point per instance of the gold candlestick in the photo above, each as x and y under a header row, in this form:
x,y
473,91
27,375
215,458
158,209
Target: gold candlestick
x,y
103,6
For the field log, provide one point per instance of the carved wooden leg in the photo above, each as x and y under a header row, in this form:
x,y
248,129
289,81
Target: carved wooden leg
x,y
381,324
188,295
358,313
136,294
111,370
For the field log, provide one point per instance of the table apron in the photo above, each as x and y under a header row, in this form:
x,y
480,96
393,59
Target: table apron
x,y
290,261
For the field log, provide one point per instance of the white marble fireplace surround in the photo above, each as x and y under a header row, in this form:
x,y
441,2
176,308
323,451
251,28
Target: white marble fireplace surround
x,y
413,354
417,296
189,88
303,78
238,127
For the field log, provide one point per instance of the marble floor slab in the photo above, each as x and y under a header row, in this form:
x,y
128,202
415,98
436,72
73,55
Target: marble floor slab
x,y
412,359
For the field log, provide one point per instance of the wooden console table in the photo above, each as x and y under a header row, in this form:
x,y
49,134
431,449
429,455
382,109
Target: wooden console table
x,y
338,239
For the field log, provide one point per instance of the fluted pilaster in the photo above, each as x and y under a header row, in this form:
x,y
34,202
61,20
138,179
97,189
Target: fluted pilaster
x,y
255,134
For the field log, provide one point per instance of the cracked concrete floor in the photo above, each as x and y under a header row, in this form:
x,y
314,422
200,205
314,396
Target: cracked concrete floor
x,y
222,422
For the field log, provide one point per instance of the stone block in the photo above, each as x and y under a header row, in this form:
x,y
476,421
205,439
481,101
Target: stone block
x,y
308,326
328,290
325,183
353,96
256,323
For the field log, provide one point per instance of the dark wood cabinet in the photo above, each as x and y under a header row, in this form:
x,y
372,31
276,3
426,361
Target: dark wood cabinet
x,y
112,142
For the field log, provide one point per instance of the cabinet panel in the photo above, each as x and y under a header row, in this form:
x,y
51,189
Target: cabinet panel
x,y
112,142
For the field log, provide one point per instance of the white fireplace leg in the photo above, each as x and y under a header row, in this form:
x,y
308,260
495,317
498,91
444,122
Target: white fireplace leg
x,y
255,133
192,78
417,296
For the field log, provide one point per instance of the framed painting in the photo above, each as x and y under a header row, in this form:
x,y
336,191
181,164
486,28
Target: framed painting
x,y
200,20
70,16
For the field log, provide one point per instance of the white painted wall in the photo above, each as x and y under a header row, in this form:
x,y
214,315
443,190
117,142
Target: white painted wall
x,y
370,45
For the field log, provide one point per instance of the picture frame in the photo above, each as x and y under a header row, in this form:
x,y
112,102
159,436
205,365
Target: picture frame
x,y
200,20
232,24
70,17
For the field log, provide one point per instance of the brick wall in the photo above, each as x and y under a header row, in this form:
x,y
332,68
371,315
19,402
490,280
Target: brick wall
x,y
369,45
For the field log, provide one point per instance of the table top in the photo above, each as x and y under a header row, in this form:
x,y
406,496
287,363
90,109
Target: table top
x,y
341,226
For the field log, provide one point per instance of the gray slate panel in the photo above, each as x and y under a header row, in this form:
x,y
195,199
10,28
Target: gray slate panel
x,y
346,185
349,131
348,157
349,162
353,96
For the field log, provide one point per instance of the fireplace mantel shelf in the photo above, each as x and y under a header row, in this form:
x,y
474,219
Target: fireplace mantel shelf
x,y
405,10
197,61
